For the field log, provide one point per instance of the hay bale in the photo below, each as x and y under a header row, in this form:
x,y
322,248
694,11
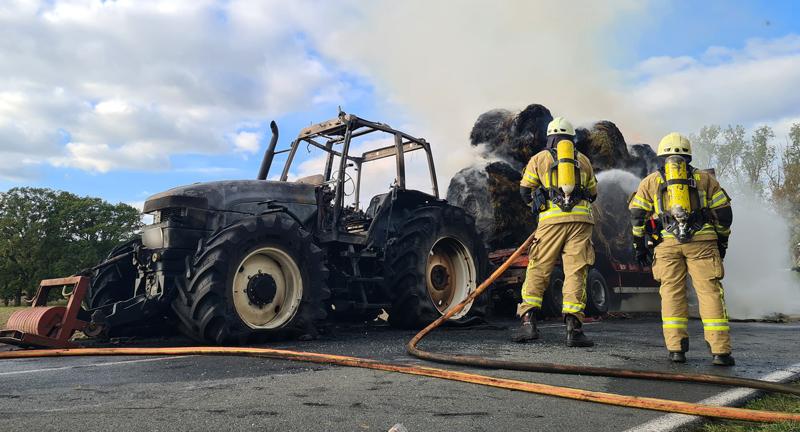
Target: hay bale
x,y
513,138
490,193
604,145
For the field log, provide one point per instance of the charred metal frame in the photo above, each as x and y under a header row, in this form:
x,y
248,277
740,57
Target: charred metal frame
x,y
342,130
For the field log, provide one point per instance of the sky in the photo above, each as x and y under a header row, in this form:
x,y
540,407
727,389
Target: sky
x,y
124,99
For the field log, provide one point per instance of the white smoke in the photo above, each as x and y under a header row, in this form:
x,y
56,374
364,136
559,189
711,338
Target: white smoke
x,y
758,282
627,181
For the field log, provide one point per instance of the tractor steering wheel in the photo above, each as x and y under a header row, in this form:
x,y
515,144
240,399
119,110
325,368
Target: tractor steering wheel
x,y
347,179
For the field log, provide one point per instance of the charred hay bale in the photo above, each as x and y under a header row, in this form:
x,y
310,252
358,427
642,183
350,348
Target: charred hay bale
x,y
492,128
490,193
513,138
604,145
642,160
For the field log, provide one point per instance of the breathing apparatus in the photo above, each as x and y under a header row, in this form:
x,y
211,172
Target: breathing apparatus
x,y
677,185
566,190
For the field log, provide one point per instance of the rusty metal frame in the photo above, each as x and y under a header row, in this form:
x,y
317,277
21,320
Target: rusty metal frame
x,y
61,331
342,130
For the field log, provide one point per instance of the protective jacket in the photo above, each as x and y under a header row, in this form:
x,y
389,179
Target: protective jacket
x,y
540,173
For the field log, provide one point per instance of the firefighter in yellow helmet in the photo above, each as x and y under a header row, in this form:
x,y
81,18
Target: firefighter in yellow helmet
x,y
559,185
695,215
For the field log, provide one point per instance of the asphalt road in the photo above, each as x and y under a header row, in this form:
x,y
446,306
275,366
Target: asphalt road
x,y
169,393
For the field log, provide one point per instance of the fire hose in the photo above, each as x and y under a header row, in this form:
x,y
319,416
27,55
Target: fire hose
x,y
655,404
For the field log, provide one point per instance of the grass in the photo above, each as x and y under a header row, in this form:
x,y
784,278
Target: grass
x,y
771,402
5,313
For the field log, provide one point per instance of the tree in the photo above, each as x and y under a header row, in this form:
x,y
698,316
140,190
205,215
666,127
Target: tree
x,y
784,182
755,161
46,234
705,147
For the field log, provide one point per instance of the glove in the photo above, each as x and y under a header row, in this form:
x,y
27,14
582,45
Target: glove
x,y
643,255
722,244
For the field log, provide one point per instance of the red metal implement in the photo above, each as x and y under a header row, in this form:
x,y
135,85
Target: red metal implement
x,y
48,326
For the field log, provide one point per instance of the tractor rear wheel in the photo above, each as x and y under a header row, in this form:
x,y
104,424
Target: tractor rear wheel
x,y
261,278
436,259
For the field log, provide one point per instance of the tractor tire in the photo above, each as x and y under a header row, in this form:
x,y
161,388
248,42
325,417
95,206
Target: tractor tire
x,y
436,258
597,295
260,279
553,298
115,282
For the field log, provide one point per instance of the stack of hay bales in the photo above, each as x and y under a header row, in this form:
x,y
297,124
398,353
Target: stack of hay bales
x,y
489,190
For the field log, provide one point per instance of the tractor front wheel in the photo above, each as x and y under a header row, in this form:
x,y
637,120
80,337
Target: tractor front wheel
x,y
262,278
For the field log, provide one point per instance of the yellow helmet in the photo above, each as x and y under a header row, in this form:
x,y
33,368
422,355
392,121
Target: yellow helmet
x,y
674,143
560,125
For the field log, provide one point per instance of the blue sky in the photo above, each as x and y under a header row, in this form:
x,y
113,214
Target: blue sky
x,y
128,98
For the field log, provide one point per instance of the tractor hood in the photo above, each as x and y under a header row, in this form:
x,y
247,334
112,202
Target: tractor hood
x,y
224,195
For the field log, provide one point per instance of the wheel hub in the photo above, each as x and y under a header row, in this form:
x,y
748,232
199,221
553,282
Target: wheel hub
x,y
440,279
261,289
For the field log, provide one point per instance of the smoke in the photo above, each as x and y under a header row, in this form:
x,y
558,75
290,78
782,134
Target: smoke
x,y
445,69
612,230
758,282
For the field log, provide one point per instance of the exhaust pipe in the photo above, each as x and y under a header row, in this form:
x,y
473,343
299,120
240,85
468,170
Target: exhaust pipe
x,y
269,154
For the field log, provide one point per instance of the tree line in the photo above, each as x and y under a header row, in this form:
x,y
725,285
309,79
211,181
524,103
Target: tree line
x,y
47,234
754,167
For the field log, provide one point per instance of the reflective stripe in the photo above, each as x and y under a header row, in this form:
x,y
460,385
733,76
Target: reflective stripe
x,y
718,199
641,202
715,324
638,231
555,211
592,183
707,229
531,177
572,307
536,301
722,229
703,199
674,322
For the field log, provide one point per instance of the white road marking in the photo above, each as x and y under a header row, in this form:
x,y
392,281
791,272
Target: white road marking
x,y
94,365
731,397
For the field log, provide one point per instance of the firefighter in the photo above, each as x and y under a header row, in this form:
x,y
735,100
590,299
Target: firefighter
x,y
695,215
559,184
797,252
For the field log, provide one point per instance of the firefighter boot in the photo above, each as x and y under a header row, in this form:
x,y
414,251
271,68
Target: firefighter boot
x,y
677,357
527,328
575,337
680,356
723,360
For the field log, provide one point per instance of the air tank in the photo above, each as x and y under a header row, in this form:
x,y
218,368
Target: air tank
x,y
565,152
678,202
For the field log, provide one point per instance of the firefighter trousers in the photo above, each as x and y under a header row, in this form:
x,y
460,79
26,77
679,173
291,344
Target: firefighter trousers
x,y
573,242
671,262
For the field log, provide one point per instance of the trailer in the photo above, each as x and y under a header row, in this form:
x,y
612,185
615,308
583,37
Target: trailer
x,y
611,286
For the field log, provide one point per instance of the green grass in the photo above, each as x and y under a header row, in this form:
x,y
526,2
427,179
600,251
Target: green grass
x,y
771,402
5,313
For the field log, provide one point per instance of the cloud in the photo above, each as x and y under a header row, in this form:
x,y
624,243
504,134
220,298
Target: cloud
x,y
177,75
247,141
103,158
749,86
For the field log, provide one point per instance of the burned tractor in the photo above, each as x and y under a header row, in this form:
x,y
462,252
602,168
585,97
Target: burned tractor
x,y
238,261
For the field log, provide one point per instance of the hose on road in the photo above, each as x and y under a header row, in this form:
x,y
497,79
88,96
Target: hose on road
x,y
565,392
